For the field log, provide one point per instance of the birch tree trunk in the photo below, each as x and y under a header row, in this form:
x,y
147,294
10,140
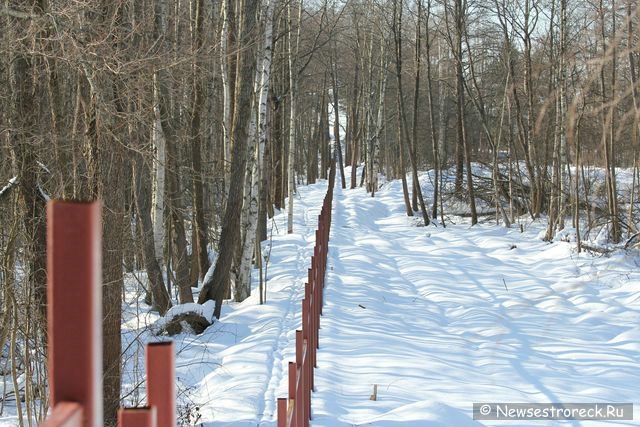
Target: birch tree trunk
x,y
226,36
216,283
159,143
255,166
142,187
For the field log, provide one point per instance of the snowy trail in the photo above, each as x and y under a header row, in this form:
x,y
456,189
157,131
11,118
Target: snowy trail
x,y
441,318
252,344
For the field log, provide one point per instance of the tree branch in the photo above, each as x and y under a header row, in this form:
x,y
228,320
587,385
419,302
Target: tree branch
x,y
5,190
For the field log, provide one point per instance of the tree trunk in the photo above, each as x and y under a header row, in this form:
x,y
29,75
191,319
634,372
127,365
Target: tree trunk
x,y
336,118
293,48
109,182
31,195
158,202
608,121
463,141
353,125
400,134
197,106
217,283
432,116
256,146
417,190
142,187
227,45
382,90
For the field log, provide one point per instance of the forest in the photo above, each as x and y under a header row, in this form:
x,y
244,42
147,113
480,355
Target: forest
x,y
193,122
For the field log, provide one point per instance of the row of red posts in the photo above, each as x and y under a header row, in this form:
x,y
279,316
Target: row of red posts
x,y
74,292
295,411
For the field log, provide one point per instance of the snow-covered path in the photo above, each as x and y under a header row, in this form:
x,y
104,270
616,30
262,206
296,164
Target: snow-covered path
x,y
440,318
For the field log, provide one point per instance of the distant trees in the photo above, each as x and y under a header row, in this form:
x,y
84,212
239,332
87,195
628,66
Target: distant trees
x,y
517,85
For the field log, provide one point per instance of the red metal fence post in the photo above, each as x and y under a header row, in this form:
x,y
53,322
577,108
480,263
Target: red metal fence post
x,y
65,414
74,292
293,383
308,330
282,412
301,386
161,390
137,417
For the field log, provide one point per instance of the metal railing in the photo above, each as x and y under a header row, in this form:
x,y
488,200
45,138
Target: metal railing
x,y
74,292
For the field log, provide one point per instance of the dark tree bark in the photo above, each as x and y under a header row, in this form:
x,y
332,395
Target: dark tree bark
x,y
112,195
197,135
179,254
276,153
217,287
418,198
109,184
396,28
31,196
105,128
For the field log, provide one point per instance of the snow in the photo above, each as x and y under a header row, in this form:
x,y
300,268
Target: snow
x,y
436,318
13,181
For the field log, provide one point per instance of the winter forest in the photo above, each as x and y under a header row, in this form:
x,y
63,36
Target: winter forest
x,y
195,122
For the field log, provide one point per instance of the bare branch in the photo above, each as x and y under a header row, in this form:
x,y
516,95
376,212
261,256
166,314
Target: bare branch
x,y
5,190
6,10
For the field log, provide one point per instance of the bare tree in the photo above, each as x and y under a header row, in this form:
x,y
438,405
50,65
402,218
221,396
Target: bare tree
x,y
396,29
197,135
217,283
609,52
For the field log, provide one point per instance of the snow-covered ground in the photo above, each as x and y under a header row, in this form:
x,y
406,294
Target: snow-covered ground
x,y
435,318
440,318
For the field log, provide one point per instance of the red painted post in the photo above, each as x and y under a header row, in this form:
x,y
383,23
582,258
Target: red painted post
x,y
74,292
161,390
137,417
314,330
65,414
293,385
315,309
301,361
296,410
308,381
307,325
282,412
301,404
